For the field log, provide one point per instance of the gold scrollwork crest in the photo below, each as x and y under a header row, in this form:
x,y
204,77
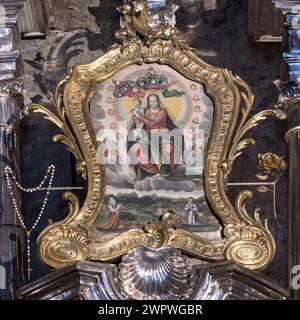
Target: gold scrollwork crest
x,y
142,40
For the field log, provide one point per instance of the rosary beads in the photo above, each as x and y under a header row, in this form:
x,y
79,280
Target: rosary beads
x,y
49,175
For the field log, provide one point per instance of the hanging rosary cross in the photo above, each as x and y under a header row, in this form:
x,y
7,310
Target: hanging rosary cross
x,y
28,269
48,176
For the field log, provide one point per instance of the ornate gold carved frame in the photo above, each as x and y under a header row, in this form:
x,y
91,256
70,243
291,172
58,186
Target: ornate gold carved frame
x,y
145,40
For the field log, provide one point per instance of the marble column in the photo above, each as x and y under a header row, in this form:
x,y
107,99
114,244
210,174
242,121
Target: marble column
x,y
12,237
291,96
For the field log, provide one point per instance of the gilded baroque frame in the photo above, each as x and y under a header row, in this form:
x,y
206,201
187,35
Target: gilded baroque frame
x,y
246,240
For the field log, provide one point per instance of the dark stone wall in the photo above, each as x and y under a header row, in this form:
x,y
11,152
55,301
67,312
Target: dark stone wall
x,y
218,30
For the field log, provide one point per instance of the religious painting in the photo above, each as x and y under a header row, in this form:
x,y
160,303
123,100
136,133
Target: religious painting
x,y
152,127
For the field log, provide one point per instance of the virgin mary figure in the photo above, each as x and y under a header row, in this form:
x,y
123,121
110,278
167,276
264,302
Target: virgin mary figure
x,y
157,149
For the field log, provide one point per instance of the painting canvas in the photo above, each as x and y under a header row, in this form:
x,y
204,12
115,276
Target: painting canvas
x,y
152,127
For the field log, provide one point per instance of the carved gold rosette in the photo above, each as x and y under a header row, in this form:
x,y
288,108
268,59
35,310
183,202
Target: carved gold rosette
x,y
246,240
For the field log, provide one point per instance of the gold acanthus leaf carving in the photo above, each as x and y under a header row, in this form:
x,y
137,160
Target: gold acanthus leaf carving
x,y
252,244
60,120
158,234
245,125
66,240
